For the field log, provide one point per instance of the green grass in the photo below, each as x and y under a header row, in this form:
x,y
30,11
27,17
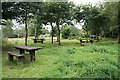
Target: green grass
x,y
70,60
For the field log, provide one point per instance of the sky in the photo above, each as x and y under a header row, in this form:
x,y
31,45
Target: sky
x,y
77,2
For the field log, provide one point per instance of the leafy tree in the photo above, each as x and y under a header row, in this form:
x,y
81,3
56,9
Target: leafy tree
x,y
22,11
38,30
111,9
119,23
7,30
19,31
44,31
66,32
98,24
61,12
75,32
58,13
7,13
85,13
47,17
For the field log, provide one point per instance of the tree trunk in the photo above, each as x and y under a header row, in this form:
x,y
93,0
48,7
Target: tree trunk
x,y
101,36
119,22
58,36
26,29
96,35
35,31
87,34
86,29
52,33
18,36
112,34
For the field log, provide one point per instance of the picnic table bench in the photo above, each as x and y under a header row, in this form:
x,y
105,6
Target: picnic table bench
x,y
22,54
38,40
19,57
95,38
85,41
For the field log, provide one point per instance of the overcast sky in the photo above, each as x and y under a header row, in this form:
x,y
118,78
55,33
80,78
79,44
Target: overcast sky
x,y
77,2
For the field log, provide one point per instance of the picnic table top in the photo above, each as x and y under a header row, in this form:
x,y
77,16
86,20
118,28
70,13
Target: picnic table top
x,y
40,39
85,39
28,47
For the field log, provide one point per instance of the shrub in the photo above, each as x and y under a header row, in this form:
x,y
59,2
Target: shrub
x,y
14,36
66,32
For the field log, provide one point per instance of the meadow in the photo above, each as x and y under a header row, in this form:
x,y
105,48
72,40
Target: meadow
x,y
70,60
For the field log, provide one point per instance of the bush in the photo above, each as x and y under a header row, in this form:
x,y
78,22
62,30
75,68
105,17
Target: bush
x,y
13,36
66,32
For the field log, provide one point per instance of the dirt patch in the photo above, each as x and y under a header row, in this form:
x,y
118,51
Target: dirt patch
x,y
8,66
19,39
22,39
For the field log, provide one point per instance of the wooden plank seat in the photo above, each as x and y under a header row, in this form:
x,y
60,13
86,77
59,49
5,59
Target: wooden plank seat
x,y
19,57
38,40
95,38
85,41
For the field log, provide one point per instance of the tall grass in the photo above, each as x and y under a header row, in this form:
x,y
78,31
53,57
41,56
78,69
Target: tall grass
x,y
97,60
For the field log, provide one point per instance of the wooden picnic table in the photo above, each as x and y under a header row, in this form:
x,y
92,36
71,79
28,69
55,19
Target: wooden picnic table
x,y
30,49
39,40
85,41
95,38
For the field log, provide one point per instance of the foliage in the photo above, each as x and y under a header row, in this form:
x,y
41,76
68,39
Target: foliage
x,y
66,32
7,30
54,32
32,29
60,13
19,31
40,30
112,12
84,14
75,33
44,31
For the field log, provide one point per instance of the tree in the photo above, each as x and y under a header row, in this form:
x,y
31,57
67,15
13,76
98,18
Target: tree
x,y
7,30
66,32
21,11
62,12
112,11
119,23
98,24
47,17
19,31
85,13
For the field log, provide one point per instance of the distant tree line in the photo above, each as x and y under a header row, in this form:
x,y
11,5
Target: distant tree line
x,y
100,20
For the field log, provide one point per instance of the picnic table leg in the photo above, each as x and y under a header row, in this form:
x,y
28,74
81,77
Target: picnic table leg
x,y
91,41
20,59
80,42
87,41
42,41
10,57
22,51
34,40
32,55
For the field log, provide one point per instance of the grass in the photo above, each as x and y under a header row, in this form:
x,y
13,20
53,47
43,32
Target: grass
x,y
70,60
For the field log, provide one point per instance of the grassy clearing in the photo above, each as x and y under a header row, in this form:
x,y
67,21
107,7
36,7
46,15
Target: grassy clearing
x,y
97,60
